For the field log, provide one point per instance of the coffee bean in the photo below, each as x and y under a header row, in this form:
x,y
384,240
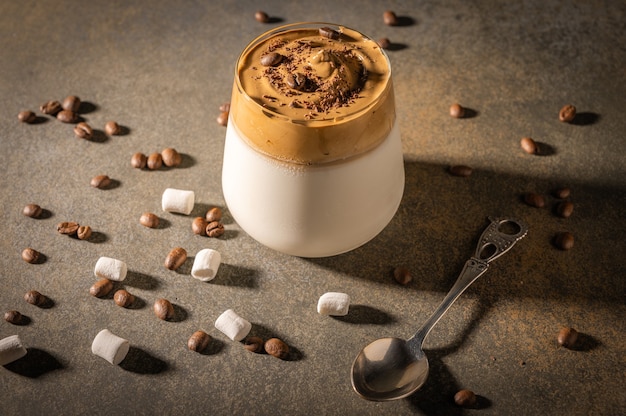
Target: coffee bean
x,y
198,226
296,81
32,210
71,103
155,161
101,288
67,228
457,111
562,193
567,337
83,232
35,298
149,220
112,128
67,116
101,181
225,107
175,258
123,298
51,107
30,255
402,275
83,130
460,170
139,160
171,157
528,145
565,209
214,229
271,59
276,348
534,200
13,317
390,18
384,43
198,341
213,214
163,309
329,33
261,16
465,398
564,240
222,119
567,113
254,344
26,116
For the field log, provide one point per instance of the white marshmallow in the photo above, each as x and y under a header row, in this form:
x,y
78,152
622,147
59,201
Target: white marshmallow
x,y
205,264
110,347
177,200
11,349
233,325
111,269
333,303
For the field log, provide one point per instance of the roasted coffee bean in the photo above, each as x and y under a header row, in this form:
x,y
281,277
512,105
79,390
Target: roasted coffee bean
x,y
215,229
32,210
139,160
271,59
402,275
83,232
149,220
562,193
528,145
457,111
67,227
384,43
254,344
460,170
213,214
67,116
30,255
83,130
26,116
163,309
225,107
567,113
222,119
101,181
71,103
35,298
565,209
564,240
123,298
198,226
112,128
329,33
171,157
51,107
261,16
155,161
175,258
465,398
101,288
296,81
390,18
567,337
276,348
534,200
198,341
13,317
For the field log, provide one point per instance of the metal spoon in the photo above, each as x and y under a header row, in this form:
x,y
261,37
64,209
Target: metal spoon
x,y
393,368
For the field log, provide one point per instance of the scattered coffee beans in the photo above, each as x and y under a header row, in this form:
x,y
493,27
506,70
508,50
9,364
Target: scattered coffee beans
x,y
112,128
562,193
384,43
225,107
26,116
460,170
83,232
329,33
390,18
123,298
83,131
528,145
534,200
13,317
277,348
175,258
213,214
565,209
198,341
51,108
163,309
198,226
155,161
67,116
261,16
457,111
254,344
101,181
222,119
271,59
32,210
402,275
35,298
567,113
567,337
30,255
564,240
101,288
465,398
68,228
71,103
215,229
149,220
139,160
171,157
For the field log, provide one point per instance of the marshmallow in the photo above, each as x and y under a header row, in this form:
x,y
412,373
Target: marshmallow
x,y
205,264
177,200
233,325
11,349
333,303
110,347
111,269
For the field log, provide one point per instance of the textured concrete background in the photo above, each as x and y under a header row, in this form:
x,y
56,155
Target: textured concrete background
x,y
162,68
